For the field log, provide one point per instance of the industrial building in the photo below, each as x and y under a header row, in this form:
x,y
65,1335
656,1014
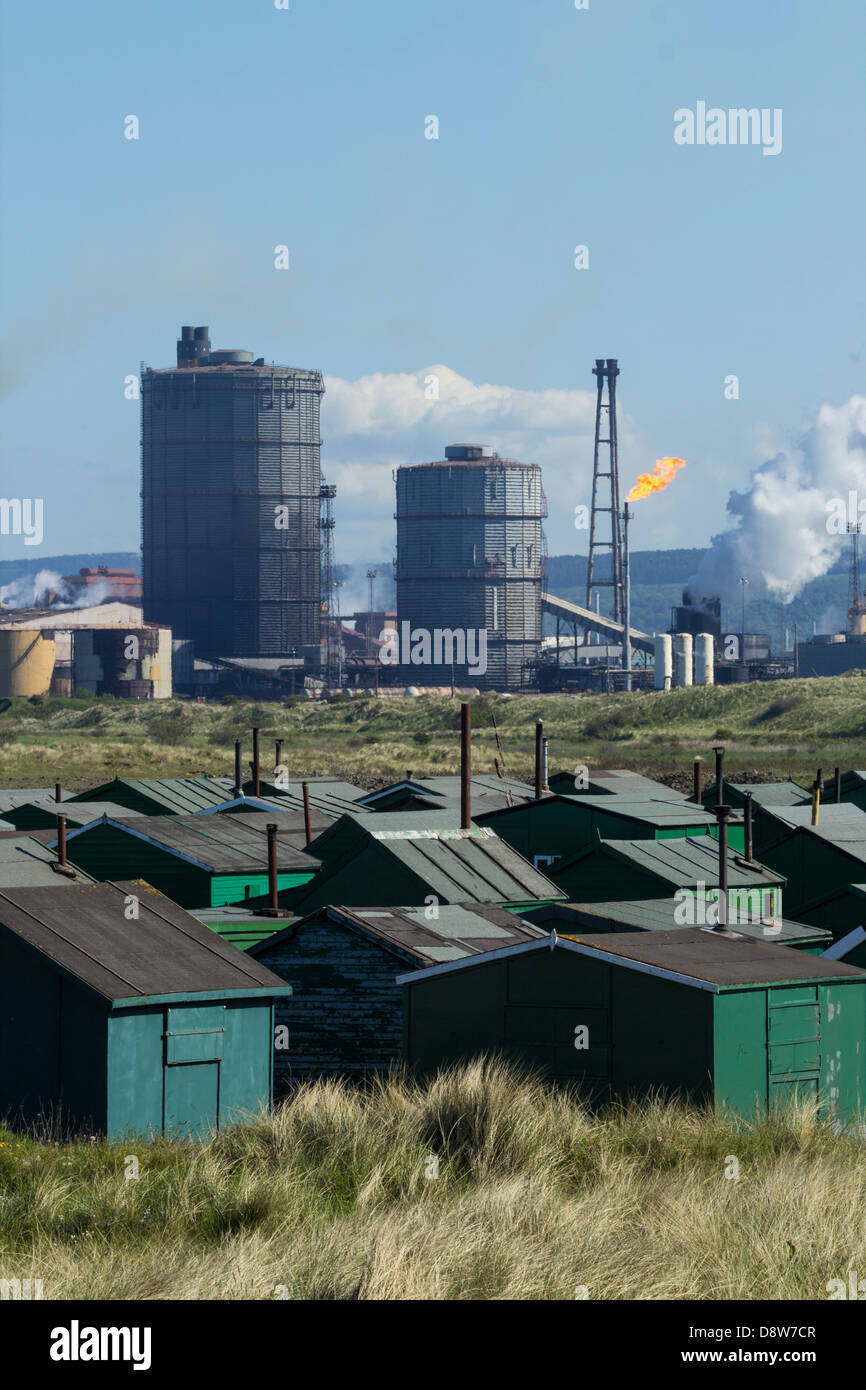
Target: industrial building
x,y
231,488
104,649
469,566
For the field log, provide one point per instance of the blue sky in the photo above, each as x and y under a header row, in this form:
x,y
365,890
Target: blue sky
x,y
305,127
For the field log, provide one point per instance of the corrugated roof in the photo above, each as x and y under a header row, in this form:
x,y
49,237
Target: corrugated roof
x,y
658,914
329,795
220,844
76,812
772,793
620,782
16,796
691,860
841,824
650,810
470,866
177,795
457,932
166,951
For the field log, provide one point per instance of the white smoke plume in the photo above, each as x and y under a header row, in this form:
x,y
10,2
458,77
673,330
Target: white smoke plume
x,y
781,538
31,590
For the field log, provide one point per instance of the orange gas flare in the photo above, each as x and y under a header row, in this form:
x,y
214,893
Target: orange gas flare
x,y
663,473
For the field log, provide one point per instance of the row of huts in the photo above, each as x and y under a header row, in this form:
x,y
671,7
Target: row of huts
x,y
175,952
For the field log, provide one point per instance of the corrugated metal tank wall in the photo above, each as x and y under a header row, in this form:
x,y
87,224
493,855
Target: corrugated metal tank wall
x,y
469,556
222,447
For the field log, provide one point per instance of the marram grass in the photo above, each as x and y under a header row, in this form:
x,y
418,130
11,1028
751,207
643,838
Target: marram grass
x,y
481,1184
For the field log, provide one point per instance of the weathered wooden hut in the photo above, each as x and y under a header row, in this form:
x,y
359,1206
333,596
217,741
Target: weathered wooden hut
x,y
198,861
121,1013
345,1013
701,1014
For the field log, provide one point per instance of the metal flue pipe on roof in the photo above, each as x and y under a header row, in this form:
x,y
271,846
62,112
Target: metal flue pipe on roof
x,y
465,766
61,840
837,784
308,820
816,801
696,781
545,766
58,792
239,780
256,764
278,753
722,813
748,839
720,773
273,898
539,758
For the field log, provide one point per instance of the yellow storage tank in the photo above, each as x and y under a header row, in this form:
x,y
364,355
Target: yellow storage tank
x,y
26,662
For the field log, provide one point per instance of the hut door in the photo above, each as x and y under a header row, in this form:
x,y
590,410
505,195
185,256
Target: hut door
x,y
192,1098
193,1051
794,1044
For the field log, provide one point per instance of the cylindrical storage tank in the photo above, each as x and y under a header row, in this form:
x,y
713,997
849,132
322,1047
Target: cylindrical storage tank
x,y
470,552
683,645
230,504
26,663
704,654
663,663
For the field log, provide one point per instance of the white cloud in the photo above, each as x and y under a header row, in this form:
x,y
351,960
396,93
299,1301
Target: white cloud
x,y
378,423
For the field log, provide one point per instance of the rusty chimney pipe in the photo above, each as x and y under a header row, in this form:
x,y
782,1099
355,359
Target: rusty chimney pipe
x,y
819,782
279,753
273,900
308,822
539,758
747,827
465,767
720,772
256,764
58,791
239,781
61,840
696,781
544,766
722,813
837,784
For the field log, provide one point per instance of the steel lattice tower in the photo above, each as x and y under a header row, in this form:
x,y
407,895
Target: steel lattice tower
x,y
605,413
333,638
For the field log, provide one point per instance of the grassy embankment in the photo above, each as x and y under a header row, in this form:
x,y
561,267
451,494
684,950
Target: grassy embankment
x,y
536,1198
770,729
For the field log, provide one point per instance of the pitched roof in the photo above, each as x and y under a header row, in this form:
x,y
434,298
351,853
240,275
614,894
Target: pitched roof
x,y
457,865
457,931
219,844
658,914
166,951
682,862
710,960
841,824
649,811
618,782
176,795
27,863
770,793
